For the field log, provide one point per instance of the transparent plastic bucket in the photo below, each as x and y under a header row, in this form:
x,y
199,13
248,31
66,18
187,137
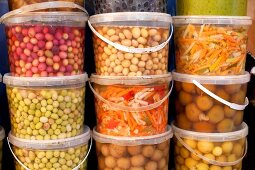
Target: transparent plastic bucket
x,y
42,44
131,43
131,106
109,6
16,4
211,45
68,153
133,152
210,150
43,108
2,136
210,103
215,7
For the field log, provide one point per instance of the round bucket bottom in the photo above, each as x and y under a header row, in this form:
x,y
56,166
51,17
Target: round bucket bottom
x,y
216,151
63,154
151,152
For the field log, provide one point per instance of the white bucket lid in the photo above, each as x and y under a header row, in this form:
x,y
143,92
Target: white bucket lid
x,y
218,80
57,18
2,133
133,141
130,80
217,20
131,16
45,81
213,137
51,144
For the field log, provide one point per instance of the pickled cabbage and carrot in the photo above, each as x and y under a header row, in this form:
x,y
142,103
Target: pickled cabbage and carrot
x,y
210,49
112,121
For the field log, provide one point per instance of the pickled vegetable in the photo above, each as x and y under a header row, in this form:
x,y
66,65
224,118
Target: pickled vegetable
x,y
204,113
210,49
149,157
15,4
113,62
107,6
112,121
46,113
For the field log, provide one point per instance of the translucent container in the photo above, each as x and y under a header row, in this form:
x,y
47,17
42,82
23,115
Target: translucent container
x,y
63,154
108,6
46,108
131,106
210,103
214,151
2,136
44,44
210,45
131,43
212,7
16,4
131,153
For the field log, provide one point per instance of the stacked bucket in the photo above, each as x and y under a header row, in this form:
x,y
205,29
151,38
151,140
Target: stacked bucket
x,y
210,84
131,86
46,87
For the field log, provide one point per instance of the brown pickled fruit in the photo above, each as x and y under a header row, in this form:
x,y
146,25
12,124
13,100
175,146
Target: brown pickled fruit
x,y
200,112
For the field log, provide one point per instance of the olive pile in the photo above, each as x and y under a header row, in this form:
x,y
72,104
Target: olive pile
x,y
46,113
64,159
108,6
138,157
113,62
228,151
196,111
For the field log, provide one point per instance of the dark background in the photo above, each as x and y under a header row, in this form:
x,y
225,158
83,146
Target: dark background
x,y
90,120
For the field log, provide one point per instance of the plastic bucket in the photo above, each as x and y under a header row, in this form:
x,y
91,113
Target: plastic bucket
x,y
131,106
2,136
108,6
131,43
194,150
68,153
207,45
210,103
215,7
150,152
45,44
44,108
16,4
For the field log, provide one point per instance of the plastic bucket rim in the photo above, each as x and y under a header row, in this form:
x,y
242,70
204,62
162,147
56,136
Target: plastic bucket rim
x,y
204,79
130,16
203,19
51,144
38,16
132,141
126,80
57,81
212,137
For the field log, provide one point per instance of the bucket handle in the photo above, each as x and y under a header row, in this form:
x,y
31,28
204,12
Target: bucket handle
x,y
211,161
26,168
132,109
41,6
132,50
229,104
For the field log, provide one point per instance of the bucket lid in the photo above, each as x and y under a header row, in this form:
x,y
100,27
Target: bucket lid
x,y
2,133
213,137
131,16
45,81
130,80
51,17
133,141
51,144
217,20
218,80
